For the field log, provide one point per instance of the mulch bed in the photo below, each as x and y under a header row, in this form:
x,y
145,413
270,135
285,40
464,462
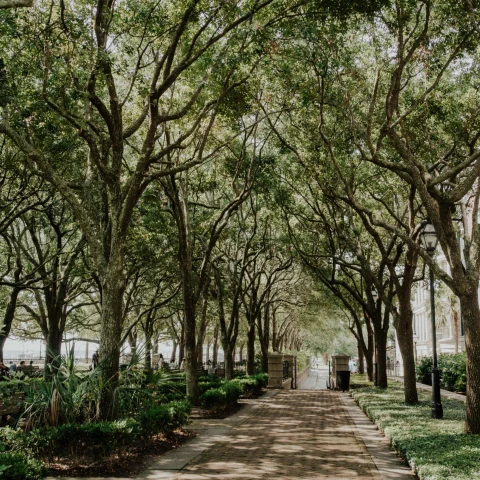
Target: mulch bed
x,y
130,464
200,413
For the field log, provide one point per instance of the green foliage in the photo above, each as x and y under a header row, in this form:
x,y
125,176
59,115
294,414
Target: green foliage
x,y
19,466
453,371
358,380
214,399
437,450
424,370
164,418
96,439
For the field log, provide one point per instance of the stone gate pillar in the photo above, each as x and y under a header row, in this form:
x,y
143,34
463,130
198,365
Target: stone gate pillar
x,y
275,370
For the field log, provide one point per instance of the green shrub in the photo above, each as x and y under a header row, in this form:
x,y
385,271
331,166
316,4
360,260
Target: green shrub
x,y
262,378
233,390
19,466
424,371
203,386
97,439
164,418
214,399
251,386
453,371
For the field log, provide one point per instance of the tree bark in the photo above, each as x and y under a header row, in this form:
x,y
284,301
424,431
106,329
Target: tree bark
x,y
404,329
251,348
8,318
471,319
215,346
229,363
361,358
113,287
174,352
53,350
381,357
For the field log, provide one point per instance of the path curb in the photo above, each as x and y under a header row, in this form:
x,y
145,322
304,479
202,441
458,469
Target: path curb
x,y
389,466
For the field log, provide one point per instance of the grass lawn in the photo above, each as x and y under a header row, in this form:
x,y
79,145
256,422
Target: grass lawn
x,y
436,449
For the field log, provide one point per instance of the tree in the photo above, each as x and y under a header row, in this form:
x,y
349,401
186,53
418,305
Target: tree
x,y
126,123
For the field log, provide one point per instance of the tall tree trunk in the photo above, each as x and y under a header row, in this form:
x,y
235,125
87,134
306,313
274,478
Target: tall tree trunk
x,y
181,346
53,350
174,352
215,346
361,358
404,329
471,319
381,351
113,287
251,348
8,319
191,364
229,363
369,354
456,328
207,352
148,344
240,352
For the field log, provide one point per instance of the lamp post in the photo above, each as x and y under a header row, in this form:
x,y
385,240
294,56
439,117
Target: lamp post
x,y
430,241
375,366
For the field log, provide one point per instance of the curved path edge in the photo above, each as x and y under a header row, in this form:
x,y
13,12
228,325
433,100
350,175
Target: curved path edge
x,y
389,465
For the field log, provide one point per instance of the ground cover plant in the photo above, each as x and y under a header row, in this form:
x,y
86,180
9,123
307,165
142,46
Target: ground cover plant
x,y
436,449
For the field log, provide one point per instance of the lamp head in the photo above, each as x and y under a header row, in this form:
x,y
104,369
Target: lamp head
x,y
429,238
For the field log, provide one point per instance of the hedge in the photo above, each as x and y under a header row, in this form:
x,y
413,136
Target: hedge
x,y
435,449
95,440
453,371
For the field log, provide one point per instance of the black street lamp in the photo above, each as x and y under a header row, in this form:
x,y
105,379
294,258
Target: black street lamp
x,y
430,241
375,366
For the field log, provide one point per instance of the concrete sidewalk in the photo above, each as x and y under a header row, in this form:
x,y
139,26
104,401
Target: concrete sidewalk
x,y
285,435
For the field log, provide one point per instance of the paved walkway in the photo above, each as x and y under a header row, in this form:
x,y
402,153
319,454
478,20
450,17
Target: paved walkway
x,y
316,380
285,435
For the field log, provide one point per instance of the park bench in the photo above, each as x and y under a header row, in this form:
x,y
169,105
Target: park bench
x,y
30,370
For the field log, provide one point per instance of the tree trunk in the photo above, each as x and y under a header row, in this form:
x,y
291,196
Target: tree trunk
x,y
456,329
381,350
240,352
251,349
229,363
361,358
174,352
181,349
148,344
471,319
215,346
191,364
207,352
110,334
53,350
404,329
8,318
